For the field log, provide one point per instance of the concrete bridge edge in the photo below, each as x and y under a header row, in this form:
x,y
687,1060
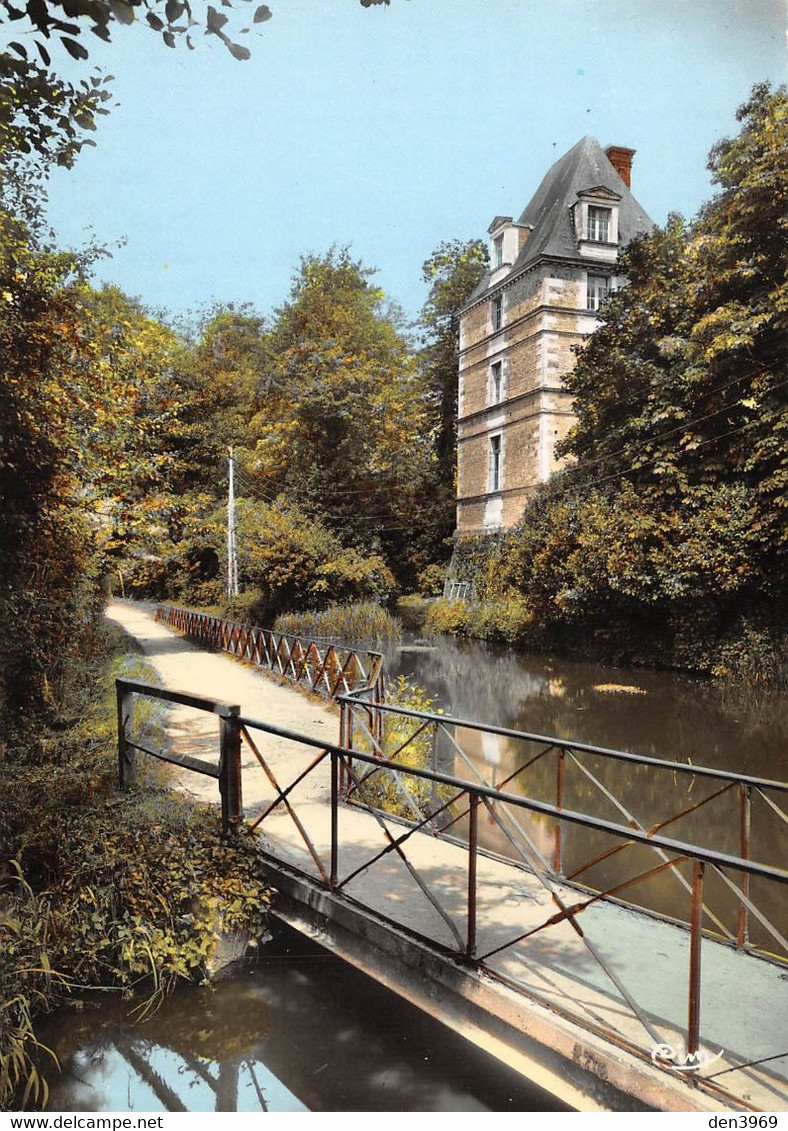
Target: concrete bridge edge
x,y
576,1065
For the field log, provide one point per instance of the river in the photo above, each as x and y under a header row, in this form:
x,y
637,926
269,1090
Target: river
x,y
664,715
296,1030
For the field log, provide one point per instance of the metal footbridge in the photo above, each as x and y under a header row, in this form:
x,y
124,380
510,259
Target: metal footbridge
x,y
558,917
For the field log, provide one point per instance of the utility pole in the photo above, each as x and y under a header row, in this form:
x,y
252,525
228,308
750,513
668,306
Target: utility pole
x,y
232,552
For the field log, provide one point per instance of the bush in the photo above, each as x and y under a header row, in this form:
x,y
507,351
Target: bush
x,y
430,581
412,611
755,652
452,617
398,793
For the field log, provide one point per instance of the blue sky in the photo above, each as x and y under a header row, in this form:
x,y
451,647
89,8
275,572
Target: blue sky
x,y
391,129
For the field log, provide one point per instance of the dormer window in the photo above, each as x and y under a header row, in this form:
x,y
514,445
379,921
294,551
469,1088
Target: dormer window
x,y
595,219
497,251
599,224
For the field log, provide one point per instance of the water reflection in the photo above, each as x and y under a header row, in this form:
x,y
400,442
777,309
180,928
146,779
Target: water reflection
x,y
660,714
665,714
301,1031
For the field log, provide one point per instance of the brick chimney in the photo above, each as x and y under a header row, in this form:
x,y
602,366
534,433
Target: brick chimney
x,y
621,160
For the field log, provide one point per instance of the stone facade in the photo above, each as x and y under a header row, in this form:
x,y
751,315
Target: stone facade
x,y
549,271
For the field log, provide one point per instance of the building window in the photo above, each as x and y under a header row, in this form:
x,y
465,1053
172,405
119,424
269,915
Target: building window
x,y
497,312
495,463
597,290
497,251
598,224
496,382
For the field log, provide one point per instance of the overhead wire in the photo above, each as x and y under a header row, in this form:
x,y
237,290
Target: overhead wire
x,y
584,464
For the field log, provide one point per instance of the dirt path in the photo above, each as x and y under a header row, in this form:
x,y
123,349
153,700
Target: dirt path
x,y
182,666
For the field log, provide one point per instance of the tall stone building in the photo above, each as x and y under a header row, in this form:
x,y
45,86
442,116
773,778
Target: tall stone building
x,y
549,272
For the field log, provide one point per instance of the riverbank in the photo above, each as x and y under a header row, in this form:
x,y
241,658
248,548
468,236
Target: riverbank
x,y
748,652
130,892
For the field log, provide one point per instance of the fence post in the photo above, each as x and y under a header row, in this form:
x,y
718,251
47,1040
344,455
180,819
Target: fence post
x,y
347,784
693,1021
558,853
127,763
334,817
745,822
473,841
344,711
230,768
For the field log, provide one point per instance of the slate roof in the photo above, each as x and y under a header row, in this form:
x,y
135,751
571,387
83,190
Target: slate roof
x,y
584,167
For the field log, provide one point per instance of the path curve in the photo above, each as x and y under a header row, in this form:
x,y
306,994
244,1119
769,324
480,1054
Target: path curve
x,y
183,666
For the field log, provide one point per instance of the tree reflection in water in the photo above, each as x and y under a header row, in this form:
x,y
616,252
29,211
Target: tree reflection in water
x,y
664,715
298,1031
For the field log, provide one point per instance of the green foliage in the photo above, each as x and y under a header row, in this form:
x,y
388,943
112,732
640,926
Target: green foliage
x,y
430,580
45,557
69,20
452,271
509,621
405,742
754,651
295,562
411,610
329,423
43,117
452,617
26,981
362,621
341,430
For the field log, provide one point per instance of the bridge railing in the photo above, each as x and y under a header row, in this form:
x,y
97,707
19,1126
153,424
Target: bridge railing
x,y
649,794
226,770
335,860
312,770
327,668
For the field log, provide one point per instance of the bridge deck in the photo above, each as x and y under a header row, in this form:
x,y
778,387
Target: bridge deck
x,y
744,998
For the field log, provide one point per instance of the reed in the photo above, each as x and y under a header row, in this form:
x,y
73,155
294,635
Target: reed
x,y
362,621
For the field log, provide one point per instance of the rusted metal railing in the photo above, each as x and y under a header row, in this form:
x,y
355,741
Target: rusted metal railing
x,y
665,780
327,668
567,901
226,771
336,862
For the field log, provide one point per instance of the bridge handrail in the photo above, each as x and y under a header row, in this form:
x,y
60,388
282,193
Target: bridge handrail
x,y
234,725
232,713
337,662
569,744
707,856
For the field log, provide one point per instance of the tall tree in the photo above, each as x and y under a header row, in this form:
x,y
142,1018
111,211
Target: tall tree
x,y
346,442
453,271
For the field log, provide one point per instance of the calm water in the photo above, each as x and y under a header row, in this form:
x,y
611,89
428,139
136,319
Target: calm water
x,y
660,714
298,1031
664,714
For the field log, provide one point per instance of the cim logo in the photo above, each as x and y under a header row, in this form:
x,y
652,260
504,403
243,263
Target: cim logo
x,y
665,1056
